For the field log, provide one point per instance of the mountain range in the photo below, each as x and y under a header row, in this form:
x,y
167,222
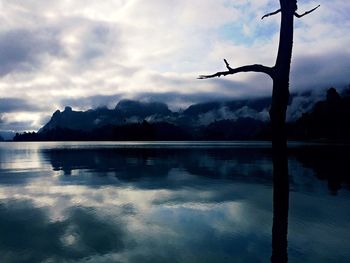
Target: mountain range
x,y
229,120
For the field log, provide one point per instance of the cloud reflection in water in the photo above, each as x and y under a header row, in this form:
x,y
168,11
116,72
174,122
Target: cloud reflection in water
x,y
107,204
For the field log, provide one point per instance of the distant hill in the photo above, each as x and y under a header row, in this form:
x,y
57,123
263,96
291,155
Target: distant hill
x,y
131,112
329,119
130,108
1,138
7,135
126,111
134,120
229,120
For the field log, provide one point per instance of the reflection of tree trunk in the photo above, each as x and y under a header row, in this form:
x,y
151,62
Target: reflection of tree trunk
x,y
280,202
280,97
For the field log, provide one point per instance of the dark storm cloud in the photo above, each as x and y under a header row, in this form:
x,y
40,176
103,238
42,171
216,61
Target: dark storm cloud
x,y
17,105
20,49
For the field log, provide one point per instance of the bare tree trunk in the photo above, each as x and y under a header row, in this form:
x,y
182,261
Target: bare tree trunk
x,y
279,103
280,77
280,97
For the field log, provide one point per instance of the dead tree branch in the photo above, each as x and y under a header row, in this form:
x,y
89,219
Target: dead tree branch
x,y
227,65
272,13
306,13
231,71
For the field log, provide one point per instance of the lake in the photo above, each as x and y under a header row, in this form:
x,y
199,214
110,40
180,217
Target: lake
x,y
169,202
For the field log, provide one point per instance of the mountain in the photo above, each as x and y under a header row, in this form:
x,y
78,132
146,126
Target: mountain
x,y
126,111
7,135
82,120
134,120
1,138
308,118
130,108
257,104
129,112
329,119
241,129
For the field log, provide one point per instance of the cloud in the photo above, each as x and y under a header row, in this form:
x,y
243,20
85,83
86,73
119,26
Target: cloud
x,y
24,50
7,125
68,239
92,102
304,102
56,53
225,113
17,104
321,70
19,114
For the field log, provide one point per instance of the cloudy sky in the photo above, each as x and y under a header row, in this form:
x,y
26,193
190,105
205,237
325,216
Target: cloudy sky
x,y
89,53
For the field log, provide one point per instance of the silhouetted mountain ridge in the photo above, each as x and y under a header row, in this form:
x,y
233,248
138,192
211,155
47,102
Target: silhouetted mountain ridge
x,y
329,119
129,111
131,108
229,120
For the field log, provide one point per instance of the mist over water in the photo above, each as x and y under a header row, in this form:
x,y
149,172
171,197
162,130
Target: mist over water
x,y
168,202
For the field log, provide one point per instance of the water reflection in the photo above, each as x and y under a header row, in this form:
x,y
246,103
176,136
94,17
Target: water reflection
x,y
329,163
121,204
29,235
280,204
141,165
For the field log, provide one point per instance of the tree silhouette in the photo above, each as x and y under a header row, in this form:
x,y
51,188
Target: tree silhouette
x,y
279,72
280,95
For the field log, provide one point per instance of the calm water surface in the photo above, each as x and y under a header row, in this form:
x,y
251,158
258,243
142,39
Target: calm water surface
x,y
169,202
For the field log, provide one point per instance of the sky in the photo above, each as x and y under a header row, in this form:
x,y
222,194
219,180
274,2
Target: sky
x,y
92,53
